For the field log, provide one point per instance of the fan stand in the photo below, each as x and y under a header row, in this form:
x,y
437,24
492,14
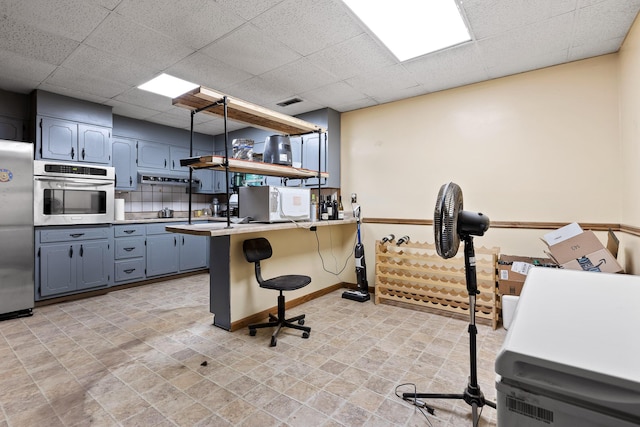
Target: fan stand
x,y
472,394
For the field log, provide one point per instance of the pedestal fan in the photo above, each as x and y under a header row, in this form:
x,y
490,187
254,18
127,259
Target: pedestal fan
x,y
451,225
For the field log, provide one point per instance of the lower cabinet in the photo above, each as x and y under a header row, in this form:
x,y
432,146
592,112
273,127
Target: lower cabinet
x,y
71,260
75,259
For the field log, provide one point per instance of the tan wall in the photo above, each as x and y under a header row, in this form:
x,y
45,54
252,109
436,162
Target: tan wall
x,y
539,146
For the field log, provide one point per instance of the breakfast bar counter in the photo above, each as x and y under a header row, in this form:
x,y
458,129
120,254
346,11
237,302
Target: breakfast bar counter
x,y
322,250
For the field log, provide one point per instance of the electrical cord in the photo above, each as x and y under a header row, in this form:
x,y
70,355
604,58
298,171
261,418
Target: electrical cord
x,y
417,403
346,261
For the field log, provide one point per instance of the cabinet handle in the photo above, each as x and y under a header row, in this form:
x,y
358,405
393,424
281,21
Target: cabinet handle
x,y
165,163
70,251
129,231
81,250
129,270
76,235
175,241
83,154
182,240
130,181
128,249
73,153
173,164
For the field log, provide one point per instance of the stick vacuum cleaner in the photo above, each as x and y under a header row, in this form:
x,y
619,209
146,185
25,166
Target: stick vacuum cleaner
x,y
362,293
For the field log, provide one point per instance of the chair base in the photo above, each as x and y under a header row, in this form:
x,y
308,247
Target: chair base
x,y
280,321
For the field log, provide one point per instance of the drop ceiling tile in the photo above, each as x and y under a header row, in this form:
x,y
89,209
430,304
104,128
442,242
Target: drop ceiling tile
x,y
298,76
528,63
107,4
491,17
298,108
86,83
594,49
18,85
124,38
385,95
206,71
308,26
194,23
73,19
16,66
354,104
456,66
27,40
72,93
248,9
333,94
129,110
552,35
391,78
609,19
249,50
90,60
145,99
352,56
256,91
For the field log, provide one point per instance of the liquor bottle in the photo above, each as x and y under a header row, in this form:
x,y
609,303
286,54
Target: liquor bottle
x,y
334,206
324,213
340,208
314,208
329,206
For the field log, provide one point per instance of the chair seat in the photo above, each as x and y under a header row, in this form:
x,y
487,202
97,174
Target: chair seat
x,y
288,282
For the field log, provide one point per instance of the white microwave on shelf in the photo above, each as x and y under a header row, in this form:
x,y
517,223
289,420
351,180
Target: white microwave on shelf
x,y
274,204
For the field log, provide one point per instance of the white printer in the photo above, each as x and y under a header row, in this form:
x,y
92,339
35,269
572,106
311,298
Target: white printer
x,y
572,354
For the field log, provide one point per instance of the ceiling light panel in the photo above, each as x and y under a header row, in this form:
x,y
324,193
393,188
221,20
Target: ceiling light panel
x,y
167,85
412,28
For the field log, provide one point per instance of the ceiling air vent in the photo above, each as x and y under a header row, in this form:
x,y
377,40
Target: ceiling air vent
x,y
289,102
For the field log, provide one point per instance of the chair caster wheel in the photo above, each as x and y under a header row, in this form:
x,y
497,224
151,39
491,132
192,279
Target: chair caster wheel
x,y
252,332
301,322
305,335
274,341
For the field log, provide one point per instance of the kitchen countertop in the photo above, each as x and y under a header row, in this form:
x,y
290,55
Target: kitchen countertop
x,y
219,228
150,218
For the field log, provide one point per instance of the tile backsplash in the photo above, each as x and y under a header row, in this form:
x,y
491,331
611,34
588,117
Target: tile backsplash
x,y
152,198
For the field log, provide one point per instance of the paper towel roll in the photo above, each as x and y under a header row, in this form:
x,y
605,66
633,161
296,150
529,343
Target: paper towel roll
x,y
119,209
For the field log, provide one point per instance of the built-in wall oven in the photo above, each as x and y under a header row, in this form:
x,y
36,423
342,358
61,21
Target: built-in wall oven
x,y
72,193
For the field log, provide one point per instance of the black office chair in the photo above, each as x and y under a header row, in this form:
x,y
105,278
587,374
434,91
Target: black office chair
x,y
256,250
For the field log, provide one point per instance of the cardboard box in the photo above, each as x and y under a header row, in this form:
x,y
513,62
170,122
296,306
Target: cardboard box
x,y
582,250
512,272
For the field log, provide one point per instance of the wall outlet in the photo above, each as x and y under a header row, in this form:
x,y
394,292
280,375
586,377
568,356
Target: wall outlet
x,y
354,198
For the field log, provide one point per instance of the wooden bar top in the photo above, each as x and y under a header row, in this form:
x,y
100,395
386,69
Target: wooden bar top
x,y
213,229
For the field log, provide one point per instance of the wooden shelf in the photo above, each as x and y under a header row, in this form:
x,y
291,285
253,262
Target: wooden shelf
x,y
246,166
243,111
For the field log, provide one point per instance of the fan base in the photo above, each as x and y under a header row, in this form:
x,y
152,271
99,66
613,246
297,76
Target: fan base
x,y
359,296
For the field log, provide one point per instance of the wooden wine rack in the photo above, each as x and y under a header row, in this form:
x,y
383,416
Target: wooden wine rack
x,y
414,274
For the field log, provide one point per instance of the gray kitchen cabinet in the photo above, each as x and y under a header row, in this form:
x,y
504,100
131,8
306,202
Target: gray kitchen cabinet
x,y
11,129
60,139
162,252
194,252
175,154
153,155
124,161
72,259
129,253
205,177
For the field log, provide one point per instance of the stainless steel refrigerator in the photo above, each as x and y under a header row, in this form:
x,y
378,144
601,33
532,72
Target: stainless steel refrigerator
x,y
16,229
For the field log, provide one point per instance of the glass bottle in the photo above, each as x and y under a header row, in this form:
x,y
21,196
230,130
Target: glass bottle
x,y
340,208
329,208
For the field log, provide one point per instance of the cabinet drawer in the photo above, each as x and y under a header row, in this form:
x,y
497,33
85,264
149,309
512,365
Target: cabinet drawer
x,y
128,230
72,234
129,270
157,228
132,247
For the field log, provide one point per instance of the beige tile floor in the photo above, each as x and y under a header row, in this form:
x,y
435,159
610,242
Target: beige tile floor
x,y
136,357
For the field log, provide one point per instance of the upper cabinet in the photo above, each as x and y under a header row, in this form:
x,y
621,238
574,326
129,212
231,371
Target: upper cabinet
x,y
59,139
70,129
124,163
153,155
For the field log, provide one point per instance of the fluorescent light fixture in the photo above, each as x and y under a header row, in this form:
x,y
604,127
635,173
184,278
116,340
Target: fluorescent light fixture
x,y
411,28
167,85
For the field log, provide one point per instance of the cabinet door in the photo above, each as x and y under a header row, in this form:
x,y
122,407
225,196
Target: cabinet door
x,y
11,129
162,254
153,155
58,139
175,154
93,264
193,251
124,162
205,176
94,144
57,268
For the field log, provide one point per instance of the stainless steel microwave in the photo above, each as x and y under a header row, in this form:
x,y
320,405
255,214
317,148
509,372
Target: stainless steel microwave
x,y
274,204
72,193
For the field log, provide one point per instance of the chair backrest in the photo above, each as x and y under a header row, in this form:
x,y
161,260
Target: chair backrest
x,y
257,249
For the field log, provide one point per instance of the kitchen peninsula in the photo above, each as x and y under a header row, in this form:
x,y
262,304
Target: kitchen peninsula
x,y
309,248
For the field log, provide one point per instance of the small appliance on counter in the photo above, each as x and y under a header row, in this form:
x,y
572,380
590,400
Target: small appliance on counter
x,y
275,204
277,150
165,213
